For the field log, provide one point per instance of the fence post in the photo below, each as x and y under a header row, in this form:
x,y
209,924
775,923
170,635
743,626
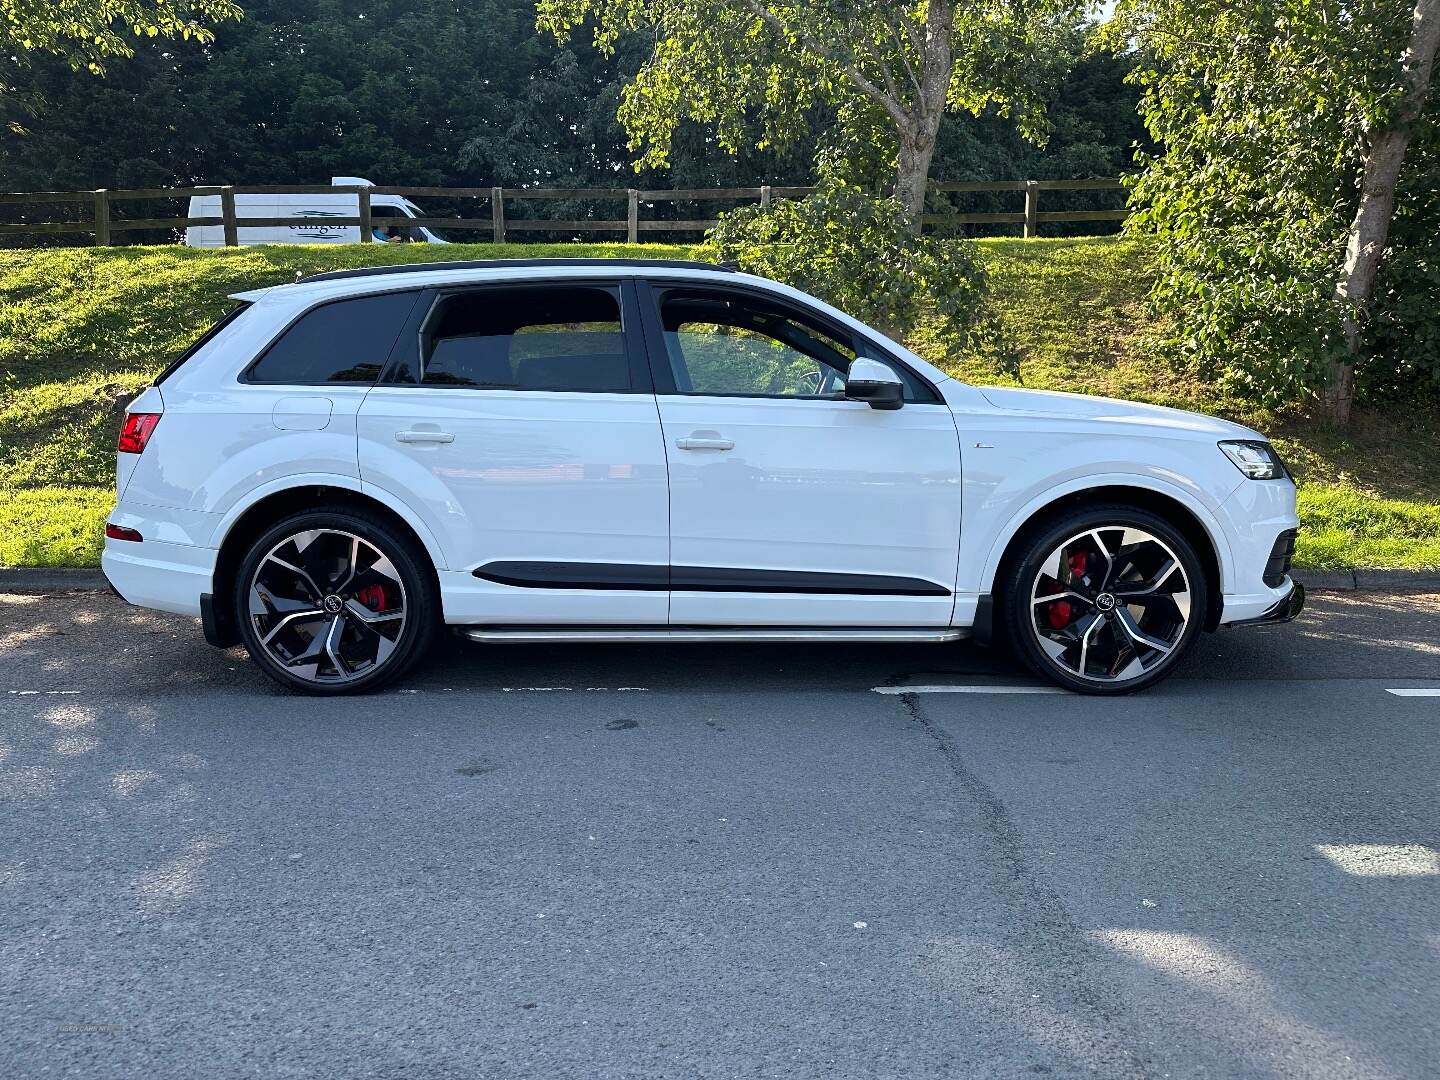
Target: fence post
x,y
497,213
227,216
365,223
1032,203
102,218
764,196
632,216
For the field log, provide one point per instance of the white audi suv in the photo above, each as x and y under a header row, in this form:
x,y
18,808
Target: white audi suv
x,y
646,451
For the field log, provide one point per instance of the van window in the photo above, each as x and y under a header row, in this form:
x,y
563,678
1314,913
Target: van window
x,y
527,338
344,342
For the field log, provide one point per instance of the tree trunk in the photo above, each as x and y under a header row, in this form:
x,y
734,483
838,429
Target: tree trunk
x,y
1370,229
913,173
917,137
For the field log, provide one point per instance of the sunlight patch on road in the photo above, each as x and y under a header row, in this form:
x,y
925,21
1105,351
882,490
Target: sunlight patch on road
x,y
1251,1017
131,782
177,878
1383,860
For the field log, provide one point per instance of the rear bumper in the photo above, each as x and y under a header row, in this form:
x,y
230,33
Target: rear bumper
x,y
153,574
1283,610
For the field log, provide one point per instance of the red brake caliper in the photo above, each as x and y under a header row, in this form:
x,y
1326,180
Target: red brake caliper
x,y
1060,612
372,596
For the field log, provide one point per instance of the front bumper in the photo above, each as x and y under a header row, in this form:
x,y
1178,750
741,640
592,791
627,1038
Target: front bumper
x,y
1285,609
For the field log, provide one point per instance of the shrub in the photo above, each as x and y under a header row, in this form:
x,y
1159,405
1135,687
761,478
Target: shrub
x,y
859,253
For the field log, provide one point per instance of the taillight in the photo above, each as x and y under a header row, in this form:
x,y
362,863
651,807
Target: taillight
x,y
136,432
120,532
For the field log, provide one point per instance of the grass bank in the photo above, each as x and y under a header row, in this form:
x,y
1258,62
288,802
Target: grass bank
x,y
82,330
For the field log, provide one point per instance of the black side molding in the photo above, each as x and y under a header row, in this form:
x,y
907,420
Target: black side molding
x,y
574,575
570,575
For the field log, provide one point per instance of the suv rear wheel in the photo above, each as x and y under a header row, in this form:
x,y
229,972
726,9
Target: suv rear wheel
x,y
335,601
1104,600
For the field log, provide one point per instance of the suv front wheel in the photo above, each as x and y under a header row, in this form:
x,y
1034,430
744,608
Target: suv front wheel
x,y
335,601
1104,600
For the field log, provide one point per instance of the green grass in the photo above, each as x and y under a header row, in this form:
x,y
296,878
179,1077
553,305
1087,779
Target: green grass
x,y
82,330
53,526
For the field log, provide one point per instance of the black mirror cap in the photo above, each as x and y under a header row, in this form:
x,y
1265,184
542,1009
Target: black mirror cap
x,y
888,396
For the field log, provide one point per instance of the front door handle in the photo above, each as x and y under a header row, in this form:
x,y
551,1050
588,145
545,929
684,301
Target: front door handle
x,y
424,437
705,442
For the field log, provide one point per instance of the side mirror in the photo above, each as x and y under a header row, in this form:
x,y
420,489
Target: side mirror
x,y
875,383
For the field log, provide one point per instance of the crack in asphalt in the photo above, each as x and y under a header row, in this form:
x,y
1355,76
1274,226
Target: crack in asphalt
x,y
1063,942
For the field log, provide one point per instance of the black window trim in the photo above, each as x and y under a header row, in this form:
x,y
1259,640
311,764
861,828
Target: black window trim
x,y
630,319
245,376
651,291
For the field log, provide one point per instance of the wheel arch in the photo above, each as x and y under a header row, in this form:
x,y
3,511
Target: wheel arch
x,y
1194,523
245,523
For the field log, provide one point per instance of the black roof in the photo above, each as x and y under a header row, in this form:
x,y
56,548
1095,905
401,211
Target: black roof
x,y
500,264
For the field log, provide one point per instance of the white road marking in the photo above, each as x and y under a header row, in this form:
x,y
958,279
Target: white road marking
x,y
31,693
968,690
1416,692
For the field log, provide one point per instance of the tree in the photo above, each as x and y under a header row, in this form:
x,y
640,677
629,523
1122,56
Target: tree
x,y
87,32
743,64
876,268
434,92
1386,137
418,91
1285,126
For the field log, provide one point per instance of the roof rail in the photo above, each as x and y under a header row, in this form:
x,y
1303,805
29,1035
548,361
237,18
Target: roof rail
x,y
501,264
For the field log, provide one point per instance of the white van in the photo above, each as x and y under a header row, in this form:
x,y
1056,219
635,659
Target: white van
x,y
310,213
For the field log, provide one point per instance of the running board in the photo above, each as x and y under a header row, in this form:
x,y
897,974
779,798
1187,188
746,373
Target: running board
x,y
739,635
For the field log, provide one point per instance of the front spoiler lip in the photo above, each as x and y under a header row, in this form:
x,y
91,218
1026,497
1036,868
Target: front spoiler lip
x,y
1283,611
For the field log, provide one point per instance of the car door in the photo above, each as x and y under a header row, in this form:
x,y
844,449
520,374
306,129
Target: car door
x,y
519,422
790,505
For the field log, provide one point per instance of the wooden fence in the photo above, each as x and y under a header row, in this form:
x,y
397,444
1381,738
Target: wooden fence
x,y
95,209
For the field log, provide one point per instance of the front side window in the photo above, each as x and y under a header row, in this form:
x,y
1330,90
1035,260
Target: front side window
x,y
731,345
551,337
344,342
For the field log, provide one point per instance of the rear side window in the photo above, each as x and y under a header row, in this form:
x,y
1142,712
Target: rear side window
x,y
225,320
342,342
527,338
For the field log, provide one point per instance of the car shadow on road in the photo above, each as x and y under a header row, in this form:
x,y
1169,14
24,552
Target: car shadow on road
x,y
94,639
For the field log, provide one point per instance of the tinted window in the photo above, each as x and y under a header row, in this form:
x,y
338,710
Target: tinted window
x,y
723,344
347,341
527,338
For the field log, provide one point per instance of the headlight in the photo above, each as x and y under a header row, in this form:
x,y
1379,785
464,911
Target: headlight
x,y
1255,459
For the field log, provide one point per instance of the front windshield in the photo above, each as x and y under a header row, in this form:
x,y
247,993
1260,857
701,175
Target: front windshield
x,y
415,211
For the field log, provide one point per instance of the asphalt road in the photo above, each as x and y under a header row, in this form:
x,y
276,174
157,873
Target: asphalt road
x,y
698,861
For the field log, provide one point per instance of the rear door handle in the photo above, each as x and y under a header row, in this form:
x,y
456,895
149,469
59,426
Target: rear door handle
x,y
424,437
705,443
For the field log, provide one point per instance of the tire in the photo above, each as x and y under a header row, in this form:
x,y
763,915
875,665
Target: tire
x,y
336,601
1104,599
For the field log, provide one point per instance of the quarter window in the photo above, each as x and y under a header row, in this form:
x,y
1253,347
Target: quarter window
x,y
530,338
344,342
730,345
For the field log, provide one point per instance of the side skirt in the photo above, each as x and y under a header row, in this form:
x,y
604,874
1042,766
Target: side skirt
x,y
739,635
